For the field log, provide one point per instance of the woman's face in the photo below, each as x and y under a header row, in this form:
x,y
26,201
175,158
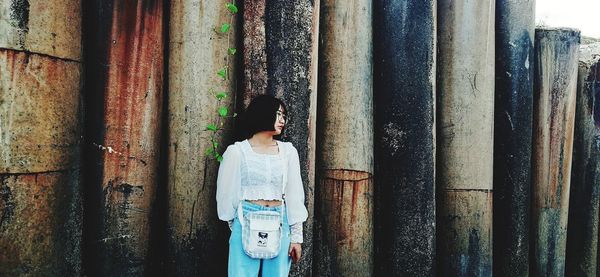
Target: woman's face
x,y
279,121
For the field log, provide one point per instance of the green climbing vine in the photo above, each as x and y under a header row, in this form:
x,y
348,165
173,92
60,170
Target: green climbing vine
x,y
223,75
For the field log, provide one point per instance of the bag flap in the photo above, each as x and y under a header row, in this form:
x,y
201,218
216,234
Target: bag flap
x,y
264,220
262,224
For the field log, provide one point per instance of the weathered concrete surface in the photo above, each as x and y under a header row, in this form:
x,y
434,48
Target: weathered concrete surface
x,y
555,84
197,240
467,212
51,28
255,47
40,212
344,244
40,224
289,68
582,235
344,221
512,136
465,136
126,154
404,94
39,108
346,86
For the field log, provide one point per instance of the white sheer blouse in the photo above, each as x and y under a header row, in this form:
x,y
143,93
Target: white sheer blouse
x,y
247,175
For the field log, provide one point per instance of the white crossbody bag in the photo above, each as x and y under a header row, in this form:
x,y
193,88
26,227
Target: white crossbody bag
x,y
262,230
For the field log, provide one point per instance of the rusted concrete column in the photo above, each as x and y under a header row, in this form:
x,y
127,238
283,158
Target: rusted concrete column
x,y
126,90
40,70
512,136
404,93
465,141
582,235
197,240
285,65
555,84
344,199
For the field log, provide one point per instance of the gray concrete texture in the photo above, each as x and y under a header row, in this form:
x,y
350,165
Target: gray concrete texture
x,y
344,219
582,232
197,51
40,78
465,113
397,160
555,85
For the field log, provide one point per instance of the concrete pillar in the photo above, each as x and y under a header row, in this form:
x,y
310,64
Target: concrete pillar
x,y
40,77
404,94
555,82
197,239
512,136
280,59
582,235
465,136
344,199
126,92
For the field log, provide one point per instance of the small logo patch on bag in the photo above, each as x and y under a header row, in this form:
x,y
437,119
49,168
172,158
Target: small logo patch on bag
x,y
262,239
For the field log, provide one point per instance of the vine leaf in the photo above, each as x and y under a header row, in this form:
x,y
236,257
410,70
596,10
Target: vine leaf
x,y
211,127
222,72
223,111
231,7
221,95
225,27
231,51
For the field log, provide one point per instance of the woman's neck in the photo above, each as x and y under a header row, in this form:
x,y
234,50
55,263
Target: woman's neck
x,y
262,138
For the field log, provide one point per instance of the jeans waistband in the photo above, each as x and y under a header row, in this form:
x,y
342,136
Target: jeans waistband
x,y
249,206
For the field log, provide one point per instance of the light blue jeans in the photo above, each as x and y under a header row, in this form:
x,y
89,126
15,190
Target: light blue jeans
x,y
241,264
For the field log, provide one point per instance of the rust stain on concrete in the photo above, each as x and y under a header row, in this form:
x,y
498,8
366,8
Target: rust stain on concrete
x,y
347,208
39,104
132,122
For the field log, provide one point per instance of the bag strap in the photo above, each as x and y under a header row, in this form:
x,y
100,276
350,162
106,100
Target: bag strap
x,y
285,175
285,170
239,208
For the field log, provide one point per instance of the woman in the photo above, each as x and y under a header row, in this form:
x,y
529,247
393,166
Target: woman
x,y
251,178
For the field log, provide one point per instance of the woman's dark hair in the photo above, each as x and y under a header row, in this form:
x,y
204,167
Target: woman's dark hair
x,y
261,114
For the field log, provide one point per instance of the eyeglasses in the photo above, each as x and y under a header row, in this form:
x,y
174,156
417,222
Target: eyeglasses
x,y
281,115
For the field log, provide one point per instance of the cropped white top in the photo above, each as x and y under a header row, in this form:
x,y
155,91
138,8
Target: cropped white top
x,y
247,175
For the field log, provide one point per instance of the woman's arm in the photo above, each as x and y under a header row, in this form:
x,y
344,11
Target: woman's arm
x,y
296,233
228,183
294,196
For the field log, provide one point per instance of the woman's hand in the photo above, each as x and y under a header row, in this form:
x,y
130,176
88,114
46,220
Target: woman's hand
x,y
295,251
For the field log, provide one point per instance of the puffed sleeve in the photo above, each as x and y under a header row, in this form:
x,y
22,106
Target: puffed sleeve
x,y
294,190
228,183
